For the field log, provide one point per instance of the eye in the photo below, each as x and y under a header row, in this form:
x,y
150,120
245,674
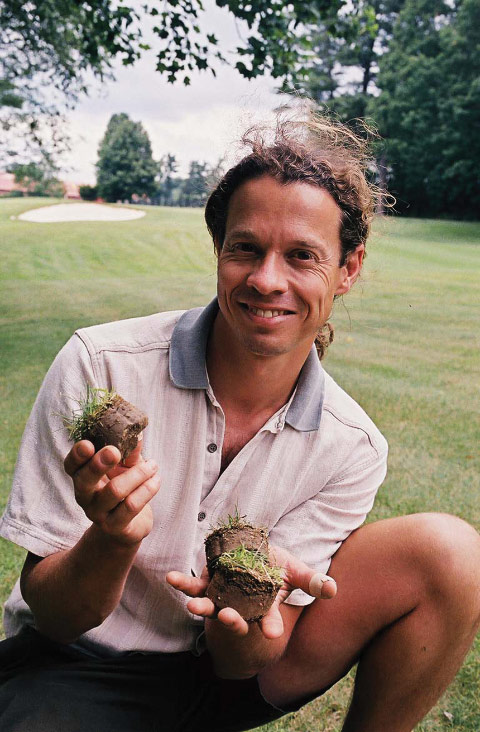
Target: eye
x,y
240,247
244,246
304,255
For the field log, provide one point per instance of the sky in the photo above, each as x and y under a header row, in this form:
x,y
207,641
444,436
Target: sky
x,y
200,122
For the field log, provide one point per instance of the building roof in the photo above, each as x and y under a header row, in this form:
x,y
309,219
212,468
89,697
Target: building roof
x,y
8,184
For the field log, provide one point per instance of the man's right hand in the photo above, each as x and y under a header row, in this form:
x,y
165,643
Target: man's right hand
x,y
73,590
115,496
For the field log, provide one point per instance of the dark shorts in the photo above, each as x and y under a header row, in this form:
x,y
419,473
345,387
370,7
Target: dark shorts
x,y
49,687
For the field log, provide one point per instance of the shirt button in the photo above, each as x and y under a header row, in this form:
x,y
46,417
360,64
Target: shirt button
x,y
212,447
202,515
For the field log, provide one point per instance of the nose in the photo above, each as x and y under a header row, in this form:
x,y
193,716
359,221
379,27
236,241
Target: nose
x,y
268,275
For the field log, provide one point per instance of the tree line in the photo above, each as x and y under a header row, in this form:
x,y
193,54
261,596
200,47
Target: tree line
x,y
410,66
413,68
127,171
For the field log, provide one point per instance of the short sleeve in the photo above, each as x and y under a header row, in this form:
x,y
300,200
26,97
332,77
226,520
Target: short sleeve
x,y
314,530
42,515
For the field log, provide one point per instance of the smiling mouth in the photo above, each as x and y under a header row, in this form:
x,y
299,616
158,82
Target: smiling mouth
x,y
267,313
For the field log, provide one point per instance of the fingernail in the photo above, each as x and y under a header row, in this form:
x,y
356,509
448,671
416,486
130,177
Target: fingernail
x,y
83,450
106,459
317,582
152,465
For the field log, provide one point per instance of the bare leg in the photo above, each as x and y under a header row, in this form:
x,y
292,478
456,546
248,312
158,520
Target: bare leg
x,y
407,609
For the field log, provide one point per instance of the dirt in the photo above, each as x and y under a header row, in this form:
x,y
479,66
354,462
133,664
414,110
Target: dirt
x,y
249,591
227,538
118,424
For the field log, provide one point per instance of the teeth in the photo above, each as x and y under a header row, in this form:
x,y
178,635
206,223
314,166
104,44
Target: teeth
x,y
267,313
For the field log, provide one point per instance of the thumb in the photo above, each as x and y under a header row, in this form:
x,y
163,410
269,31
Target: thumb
x,y
321,585
299,575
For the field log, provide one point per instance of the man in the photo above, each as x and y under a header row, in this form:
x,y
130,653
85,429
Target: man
x,y
243,416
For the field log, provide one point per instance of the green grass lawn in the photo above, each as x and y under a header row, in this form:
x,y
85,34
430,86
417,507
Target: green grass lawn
x,y
406,347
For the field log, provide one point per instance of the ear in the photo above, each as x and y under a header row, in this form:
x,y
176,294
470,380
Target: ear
x,y
350,270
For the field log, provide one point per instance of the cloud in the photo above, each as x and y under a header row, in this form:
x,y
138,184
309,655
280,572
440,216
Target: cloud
x,y
197,123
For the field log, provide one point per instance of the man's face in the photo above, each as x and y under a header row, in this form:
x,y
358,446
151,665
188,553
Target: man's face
x,y
278,270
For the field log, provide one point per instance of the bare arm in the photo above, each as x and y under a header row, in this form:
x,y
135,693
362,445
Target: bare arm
x,y
73,591
240,649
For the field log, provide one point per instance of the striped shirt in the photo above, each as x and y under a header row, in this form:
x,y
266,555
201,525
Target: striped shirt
x,y
309,475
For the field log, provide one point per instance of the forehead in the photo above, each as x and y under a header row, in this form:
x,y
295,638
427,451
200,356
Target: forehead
x,y
297,210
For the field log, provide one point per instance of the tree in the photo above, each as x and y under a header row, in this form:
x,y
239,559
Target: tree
x,y
168,168
37,180
195,187
429,105
46,49
88,193
412,66
28,174
125,164
61,44
214,174
45,43
342,74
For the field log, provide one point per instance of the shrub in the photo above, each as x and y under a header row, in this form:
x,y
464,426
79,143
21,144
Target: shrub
x,y
89,193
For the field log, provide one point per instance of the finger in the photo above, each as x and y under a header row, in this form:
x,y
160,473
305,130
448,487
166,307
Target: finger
x,y
116,490
86,479
80,453
133,504
191,586
321,585
227,616
271,624
202,606
233,621
134,458
299,575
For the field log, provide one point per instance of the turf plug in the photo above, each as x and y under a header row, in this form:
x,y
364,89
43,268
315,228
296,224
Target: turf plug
x,y
241,575
105,418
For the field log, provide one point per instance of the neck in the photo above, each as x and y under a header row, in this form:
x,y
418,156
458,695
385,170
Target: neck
x,y
246,382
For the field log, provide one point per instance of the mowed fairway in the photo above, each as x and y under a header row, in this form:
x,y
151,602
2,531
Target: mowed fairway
x,y
406,347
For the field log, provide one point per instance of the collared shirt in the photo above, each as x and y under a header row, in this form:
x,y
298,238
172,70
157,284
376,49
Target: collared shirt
x,y
309,475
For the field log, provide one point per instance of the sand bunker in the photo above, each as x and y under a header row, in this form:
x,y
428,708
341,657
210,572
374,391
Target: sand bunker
x,y
79,212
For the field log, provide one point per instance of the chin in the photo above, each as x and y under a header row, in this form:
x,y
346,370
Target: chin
x,y
265,348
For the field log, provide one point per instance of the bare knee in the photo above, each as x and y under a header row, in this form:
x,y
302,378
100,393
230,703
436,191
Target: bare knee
x,y
447,553
449,543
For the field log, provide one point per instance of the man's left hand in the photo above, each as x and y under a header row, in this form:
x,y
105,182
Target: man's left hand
x,y
297,575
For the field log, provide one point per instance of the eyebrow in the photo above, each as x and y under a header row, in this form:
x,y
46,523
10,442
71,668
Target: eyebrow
x,y
246,233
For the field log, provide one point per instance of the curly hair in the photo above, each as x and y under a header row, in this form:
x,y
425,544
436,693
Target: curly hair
x,y
315,150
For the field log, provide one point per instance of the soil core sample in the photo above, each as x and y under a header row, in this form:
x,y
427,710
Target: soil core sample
x,y
232,535
105,418
241,575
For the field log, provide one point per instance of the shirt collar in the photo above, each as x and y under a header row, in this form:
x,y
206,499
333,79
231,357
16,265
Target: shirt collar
x,y
188,368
